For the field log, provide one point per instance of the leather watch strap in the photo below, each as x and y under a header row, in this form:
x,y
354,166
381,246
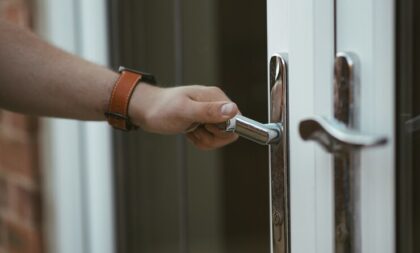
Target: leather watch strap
x,y
117,114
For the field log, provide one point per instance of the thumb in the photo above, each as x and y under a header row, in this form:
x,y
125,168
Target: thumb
x,y
213,112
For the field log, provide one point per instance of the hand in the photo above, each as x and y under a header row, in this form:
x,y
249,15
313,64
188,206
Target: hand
x,y
175,110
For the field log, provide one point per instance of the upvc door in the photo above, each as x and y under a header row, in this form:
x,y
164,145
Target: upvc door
x,y
340,195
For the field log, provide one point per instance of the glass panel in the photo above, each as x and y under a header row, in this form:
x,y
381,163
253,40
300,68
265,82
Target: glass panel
x,y
172,197
408,125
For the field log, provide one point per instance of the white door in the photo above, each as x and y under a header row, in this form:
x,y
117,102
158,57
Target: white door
x,y
340,201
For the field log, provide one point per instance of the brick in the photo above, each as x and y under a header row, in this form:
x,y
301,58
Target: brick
x,y
15,11
22,239
3,236
29,123
19,158
18,126
27,205
3,194
22,122
20,197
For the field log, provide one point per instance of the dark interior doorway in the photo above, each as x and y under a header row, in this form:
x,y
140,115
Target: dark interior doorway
x,y
171,197
408,125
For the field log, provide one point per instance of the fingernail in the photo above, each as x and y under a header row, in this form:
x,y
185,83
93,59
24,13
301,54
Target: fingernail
x,y
228,108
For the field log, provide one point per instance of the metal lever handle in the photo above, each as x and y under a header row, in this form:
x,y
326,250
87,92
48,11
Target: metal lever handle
x,y
276,135
340,137
264,134
335,137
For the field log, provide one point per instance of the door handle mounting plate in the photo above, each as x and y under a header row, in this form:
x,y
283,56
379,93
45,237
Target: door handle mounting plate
x,y
275,134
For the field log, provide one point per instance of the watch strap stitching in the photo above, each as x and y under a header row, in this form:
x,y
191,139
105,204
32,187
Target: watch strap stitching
x,y
126,79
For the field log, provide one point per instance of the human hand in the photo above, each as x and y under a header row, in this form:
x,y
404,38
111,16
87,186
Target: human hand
x,y
175,110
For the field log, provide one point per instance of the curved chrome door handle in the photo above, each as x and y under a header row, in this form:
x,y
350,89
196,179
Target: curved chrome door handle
x,y
275,134
340,137
335,137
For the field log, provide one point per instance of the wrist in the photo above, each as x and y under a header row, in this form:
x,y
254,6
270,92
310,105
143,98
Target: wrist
x,y
118,110
139,108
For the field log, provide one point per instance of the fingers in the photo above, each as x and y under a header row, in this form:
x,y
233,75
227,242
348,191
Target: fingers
x,y
192,127
209,105
210,137
206,93
212,112
219,133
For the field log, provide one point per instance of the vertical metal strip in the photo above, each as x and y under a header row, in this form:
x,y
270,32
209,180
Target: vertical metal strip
x,y
346,175
279,156
180,139
335,26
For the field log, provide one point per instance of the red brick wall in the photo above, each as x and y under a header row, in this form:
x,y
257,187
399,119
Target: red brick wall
x,y
20,176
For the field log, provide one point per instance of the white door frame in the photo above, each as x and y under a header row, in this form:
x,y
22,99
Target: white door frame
x,y
304,29
366,28
77,156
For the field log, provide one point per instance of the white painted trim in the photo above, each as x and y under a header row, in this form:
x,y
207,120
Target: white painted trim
x,y
99,184
304,30
77,156
62,174
62,161
365,27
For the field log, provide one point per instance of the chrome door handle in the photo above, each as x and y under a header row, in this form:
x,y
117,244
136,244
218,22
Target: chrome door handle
x,y
335,137
275,134
339,134
264,134
271,133
340,137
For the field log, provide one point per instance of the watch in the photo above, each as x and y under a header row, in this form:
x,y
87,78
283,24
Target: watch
x,y
117,114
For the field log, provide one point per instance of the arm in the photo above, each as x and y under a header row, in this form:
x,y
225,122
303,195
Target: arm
x,y
39,79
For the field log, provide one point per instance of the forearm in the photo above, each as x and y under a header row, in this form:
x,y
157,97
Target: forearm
x,y
38,79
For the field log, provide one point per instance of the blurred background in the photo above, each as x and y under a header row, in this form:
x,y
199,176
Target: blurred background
x,y
170,196
21,200
68,186
139,192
